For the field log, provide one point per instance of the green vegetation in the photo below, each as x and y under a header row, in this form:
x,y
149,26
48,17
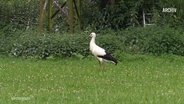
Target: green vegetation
x,y
95,14
136,79
151,40
119,24
56,66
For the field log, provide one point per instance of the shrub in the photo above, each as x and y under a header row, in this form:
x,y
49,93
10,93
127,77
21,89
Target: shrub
x,y
154,40
20,14
32,44
166,40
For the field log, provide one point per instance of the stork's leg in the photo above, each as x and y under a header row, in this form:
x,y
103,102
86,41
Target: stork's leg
x,y
101,65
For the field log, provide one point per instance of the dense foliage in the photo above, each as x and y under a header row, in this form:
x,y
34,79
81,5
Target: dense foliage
x,y
98,16
154,40
119,26
19,14
34,44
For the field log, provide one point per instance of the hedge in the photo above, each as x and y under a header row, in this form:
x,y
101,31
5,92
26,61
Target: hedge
x,y
151,40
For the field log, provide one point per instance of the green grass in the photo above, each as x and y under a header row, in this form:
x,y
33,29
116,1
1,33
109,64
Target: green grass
x,y
137,79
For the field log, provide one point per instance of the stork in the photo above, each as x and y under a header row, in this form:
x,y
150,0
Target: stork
x,y
99,52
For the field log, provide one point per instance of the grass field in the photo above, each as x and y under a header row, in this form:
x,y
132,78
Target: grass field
x,y
137,79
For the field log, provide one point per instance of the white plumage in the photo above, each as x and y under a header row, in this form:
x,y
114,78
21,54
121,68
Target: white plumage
x,y
99,52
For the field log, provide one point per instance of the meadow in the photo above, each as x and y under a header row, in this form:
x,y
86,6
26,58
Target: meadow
x,y
137,79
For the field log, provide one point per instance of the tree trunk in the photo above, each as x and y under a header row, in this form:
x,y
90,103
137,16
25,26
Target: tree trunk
x,y
41,16
70,16
79,11
103,4
112,2
49,15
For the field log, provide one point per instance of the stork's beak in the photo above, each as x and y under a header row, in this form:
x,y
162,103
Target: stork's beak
x,y
90,36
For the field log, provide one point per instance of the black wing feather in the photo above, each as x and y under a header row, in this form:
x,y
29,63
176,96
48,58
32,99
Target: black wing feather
x,y
108,57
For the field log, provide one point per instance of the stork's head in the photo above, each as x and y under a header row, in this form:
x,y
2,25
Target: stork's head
x,y
92,35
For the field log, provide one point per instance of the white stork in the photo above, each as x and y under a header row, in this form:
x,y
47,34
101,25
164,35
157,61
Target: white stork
x,y
99,52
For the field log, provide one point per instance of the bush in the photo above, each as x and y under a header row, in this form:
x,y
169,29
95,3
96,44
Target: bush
x,y
154,40
166,40
20,14
33,44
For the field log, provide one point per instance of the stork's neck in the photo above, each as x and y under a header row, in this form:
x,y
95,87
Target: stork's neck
x,y
92,40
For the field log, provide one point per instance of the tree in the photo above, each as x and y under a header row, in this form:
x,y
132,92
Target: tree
x,y
49,15
41,15
79,13
70,16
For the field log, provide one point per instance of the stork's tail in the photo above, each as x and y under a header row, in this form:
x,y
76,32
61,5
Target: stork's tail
x,y
108,57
